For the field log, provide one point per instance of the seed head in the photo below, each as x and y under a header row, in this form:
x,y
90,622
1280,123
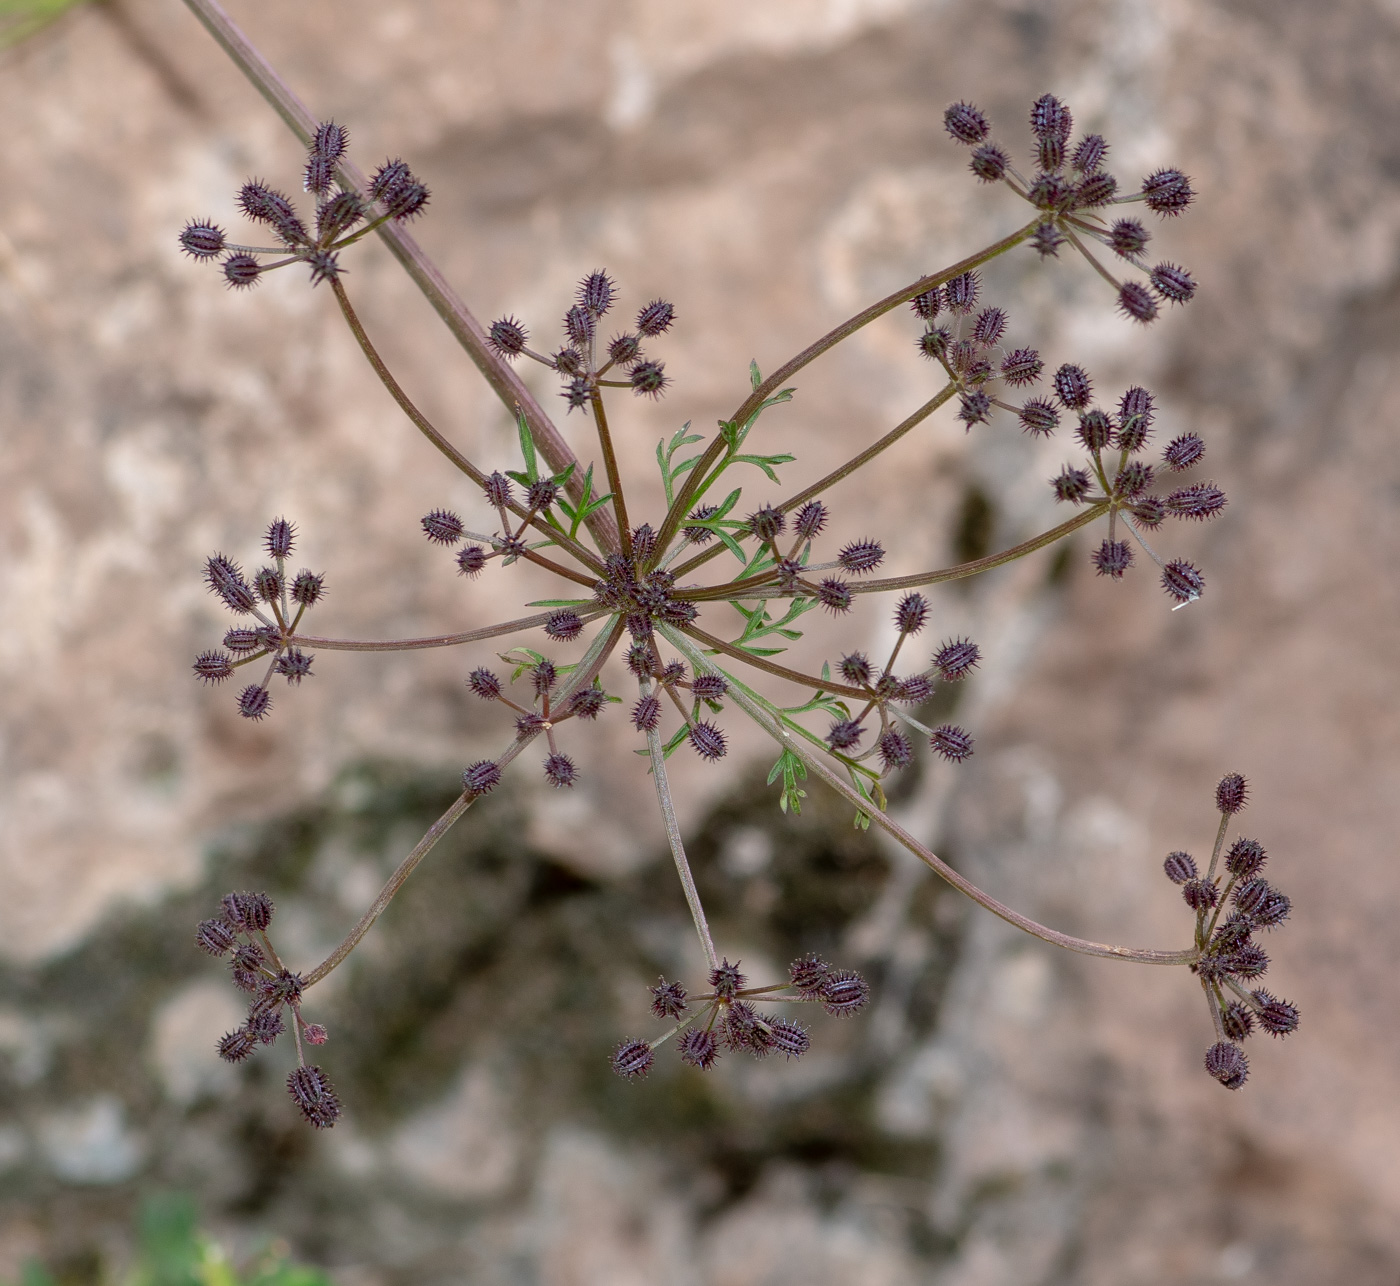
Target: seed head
x,y
471,560
911,613
927,305
726,979
1245,858
254,702
1227,1064
1135,301
484,684
1201,500
1251,896
834,595
707,740
1231,793
1180,867
1277,1017
1112,558
294,665
1095,429
951,742
564,625
1183,452
1274,911
311,1091
989,326
956,659
710,687
961,292
788,1037
1089,153
861,556
1200,895
202,239
589,703
508,337
213,667
1073,386
914,690
1050,191
656,318
251,912
895,750
315,1034
544,676
667,999
1183,581
225,578
744,1028
308,587
266,205
578,326
1046,240
339,214
266,1026
1039,417
1249,961
623,350
1168,192
1097,189
595,293
1128,238
933,343
844,993
698,1048
844,733
482,777
215,937
976,408
237,1045
1133,479
1149,511
649,379
809,974
442,527
989,163
1173,283
767,524
966,124
1238,1020
498,490
1023,366
1071,484
646,714
1050,118
559,770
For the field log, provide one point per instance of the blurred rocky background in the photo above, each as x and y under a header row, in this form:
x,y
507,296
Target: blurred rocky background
x,y
1003,1113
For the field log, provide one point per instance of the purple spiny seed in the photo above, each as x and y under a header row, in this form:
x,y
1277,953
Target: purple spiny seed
x,y
657,317
254,702
1073,386
667,999
855,668
1128,238
471,560
1183,581
1089,153
507,337
215,937
966,123
1173,283
559,770
1201,500
484,684
956,659
895,750
213,667
1112,558
961,292
564,625
707,740
1231,793
202,239
1183,452
844,993
646,714
698,1048
482,777
311,1091
928,305
442,527
595,292
861,556
1245,858
1168,192
1180,867
1135,301
726,979
989,326
844,733
951,742
911,613
834,595
1024,366
989,163
1200,895
1227,1064
648,379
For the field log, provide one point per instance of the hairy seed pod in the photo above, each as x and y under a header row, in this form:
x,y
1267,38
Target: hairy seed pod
x,y
241,642
254,702
700,535
989,326
482,777
507,337
951,742
707,740
1227,1064
914,690
742,1027
966,123
559,770
1149,511
1071,484
1231,793
1200,895
809,974
225,578
484,684
280,538
315,1034
578,327
648,379
1248,961
341,213
974,408
267,583
834,595
564,625
961,292
541,494
641,660
989,163
237,1046
710,687
855,668
498,490
861,556
1173,283
646,714
933,343
726,979
956,659
1089,154
1183,581
844,733
1133,479
213,667
1201,500
1021,367
623,350
1168,192
1112,558
1245,858
1135,301
595,293
471,560
767,523
1277,1017
1039,418
294,665
266,1026
788,1037
1128,238
1238,1020
544,676
1050,118
895,750
1180,867
308,588
1073,386
844,993
928,305
589,703
215,936
1251,896
202,239
1097,189
667,999
1274,911
911,613
656,318
698,1048
1183,452
1050,191
1047,239
442,527
644,545
1094,430
311,1091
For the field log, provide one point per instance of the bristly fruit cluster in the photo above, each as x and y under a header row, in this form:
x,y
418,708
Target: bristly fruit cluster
x,y
649,597
1229,957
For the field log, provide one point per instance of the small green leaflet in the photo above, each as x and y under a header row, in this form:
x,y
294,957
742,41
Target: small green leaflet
x,y
792,770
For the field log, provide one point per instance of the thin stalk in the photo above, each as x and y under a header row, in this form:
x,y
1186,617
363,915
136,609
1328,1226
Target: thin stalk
x,y
465,328
673,836
931,860
581,677
814,350
430,431
772,667
437,640
600,420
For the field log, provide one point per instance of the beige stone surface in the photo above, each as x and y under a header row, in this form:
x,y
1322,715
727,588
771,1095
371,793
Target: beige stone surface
x,y
768,166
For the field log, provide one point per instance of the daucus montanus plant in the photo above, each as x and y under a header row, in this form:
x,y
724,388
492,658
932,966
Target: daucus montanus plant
x,y
690,606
